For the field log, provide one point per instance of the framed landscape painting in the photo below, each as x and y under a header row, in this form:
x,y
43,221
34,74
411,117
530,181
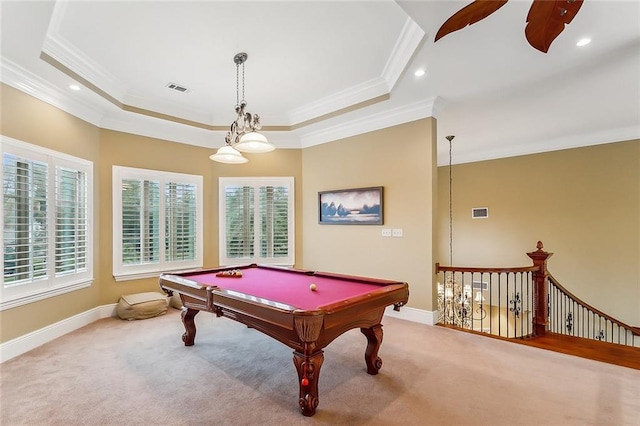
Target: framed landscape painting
x,y
359,206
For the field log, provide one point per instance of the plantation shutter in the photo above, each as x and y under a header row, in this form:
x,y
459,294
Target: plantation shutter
x,y
140,221
157,222
274,220
46,228
239,229
71,235
256,215
180,221
26,243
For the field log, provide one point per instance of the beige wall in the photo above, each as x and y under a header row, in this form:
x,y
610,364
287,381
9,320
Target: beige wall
x,y
402,160
123,149
583,204
29,120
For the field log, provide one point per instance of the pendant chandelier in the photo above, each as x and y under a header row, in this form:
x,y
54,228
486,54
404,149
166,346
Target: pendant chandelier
x,y
454,299
243,136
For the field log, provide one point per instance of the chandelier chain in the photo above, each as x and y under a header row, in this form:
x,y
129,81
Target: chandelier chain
x,y
450,139
243,135
237,84
450,210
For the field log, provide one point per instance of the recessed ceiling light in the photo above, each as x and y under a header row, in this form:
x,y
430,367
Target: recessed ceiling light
x,y
74,87
583,42
419,73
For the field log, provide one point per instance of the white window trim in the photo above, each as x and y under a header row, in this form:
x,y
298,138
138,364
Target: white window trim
x,y
255,181
52,286
132,272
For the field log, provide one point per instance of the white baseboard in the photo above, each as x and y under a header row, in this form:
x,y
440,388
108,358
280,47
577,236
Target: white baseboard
x,y
23,344
414,315
27,342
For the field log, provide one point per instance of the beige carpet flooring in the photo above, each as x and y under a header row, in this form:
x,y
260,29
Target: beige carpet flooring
x,y
115,372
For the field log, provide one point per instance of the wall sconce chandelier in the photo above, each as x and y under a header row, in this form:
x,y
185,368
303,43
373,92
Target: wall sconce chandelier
x,y
243,135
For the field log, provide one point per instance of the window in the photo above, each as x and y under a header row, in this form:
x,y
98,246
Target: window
x,y
157,222
47,234
257,221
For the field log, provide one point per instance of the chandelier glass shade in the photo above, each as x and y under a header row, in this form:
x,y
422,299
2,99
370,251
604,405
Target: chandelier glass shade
x,y
243,135
227,154
254,142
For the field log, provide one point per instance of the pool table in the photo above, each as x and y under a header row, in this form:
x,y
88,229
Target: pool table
x,y
280,303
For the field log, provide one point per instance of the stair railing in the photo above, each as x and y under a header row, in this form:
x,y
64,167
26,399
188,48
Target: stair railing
x,y
571,316
522,302
497,301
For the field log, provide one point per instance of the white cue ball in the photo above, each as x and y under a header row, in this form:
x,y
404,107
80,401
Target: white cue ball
x,y
312,287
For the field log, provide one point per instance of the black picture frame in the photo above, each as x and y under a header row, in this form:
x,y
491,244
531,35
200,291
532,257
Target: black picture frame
x,y
357,206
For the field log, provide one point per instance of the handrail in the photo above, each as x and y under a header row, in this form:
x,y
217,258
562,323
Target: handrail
x,y
634,330
485,270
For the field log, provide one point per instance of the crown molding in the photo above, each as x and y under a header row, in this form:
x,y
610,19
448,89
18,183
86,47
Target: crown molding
x,y
168,108
619,134
62,51
67,58
353,95
63,55
408,42
437,106
143,125
370,123
156,128
17,77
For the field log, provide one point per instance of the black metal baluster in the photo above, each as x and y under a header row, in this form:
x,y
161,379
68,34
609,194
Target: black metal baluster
x,y
491,302
530,285
508,302
499,305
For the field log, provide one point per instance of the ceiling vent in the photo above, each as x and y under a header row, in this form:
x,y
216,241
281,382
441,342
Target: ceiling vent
x,y
178,88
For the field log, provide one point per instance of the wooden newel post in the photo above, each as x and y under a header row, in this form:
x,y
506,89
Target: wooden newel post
x,y
540,290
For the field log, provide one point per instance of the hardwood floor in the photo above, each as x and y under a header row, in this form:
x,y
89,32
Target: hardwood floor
x,y
611,353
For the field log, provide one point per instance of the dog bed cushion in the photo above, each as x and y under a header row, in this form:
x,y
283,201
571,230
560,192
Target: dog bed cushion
x,y
142,305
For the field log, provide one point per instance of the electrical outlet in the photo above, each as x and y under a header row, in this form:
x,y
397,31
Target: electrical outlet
x,y
396,233
386,232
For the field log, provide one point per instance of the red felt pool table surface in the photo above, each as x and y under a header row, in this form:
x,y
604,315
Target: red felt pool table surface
x,y
291,288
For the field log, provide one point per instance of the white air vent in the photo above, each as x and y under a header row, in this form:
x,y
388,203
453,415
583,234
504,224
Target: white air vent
x,y
480,285
178,88
480,212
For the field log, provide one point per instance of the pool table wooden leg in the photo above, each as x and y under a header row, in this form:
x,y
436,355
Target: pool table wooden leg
x,y
374,340
188,316
308,367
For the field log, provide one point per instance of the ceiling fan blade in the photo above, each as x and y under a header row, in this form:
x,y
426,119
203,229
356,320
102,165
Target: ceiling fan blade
x,y
546,20
468,15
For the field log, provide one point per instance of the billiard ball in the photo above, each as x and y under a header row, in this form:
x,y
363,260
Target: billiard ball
x,y
312,287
